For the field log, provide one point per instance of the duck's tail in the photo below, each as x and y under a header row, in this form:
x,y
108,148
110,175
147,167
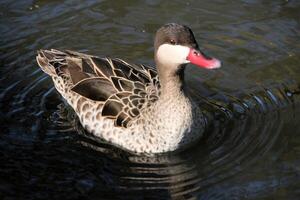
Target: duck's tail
x,y
55,64
52,62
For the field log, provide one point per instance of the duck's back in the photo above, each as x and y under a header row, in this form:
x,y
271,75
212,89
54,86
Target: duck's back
x,y
107,94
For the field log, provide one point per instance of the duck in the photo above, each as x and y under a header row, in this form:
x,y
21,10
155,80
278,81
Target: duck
x,y
135,107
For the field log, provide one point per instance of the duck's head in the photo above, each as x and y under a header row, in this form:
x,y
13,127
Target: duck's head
x,y
175,46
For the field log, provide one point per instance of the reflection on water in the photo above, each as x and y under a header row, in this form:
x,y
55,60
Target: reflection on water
x,y
251,148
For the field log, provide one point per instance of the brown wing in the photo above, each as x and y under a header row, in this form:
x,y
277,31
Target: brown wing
x,y
125,89
136,85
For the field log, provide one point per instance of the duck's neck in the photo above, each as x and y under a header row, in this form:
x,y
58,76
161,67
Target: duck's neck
x,y
171,81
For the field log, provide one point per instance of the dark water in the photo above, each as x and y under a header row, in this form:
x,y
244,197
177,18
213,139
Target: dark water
x,y
251,148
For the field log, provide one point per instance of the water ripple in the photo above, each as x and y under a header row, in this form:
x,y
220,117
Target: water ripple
x,y
251,144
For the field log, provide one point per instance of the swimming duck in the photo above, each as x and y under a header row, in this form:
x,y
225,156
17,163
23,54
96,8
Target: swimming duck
x,y
135,107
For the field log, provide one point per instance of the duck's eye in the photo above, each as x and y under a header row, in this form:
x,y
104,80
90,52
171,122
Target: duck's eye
x,y
173,42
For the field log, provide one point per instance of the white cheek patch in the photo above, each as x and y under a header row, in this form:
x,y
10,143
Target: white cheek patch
x,y
172,54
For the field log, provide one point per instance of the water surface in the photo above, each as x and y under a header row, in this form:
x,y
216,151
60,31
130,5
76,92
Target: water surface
x,y
251,148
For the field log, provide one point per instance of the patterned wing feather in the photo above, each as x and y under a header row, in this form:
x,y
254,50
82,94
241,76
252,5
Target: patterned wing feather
x,y
96,89
124,89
